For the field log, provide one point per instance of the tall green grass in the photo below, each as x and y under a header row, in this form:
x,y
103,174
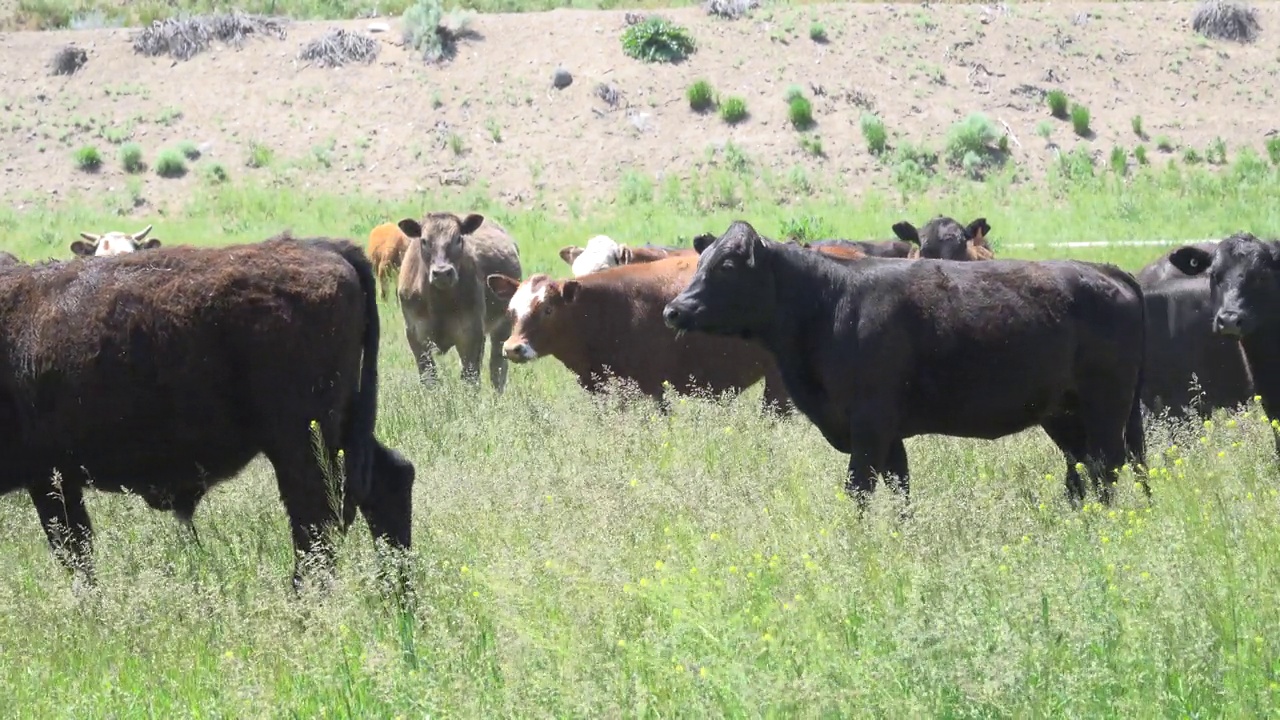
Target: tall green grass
x,y
575,558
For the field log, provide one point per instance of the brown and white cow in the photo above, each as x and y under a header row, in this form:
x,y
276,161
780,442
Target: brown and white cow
x,y
443,295
609,323
602,252
113,243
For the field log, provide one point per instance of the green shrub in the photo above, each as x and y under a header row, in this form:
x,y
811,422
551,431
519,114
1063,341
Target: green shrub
x,y
88,158
1057,103
131,158
1140,154
701,96
259,155
800,112
1119,160
817,32
874,133
970,144
1273,149
1136,122
215,174
1080,119
189,150
656,39
170,164
733,110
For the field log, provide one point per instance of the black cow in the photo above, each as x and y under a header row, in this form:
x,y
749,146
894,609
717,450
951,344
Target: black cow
x,y
1181,344
1244,290
876,350
165,372
942,238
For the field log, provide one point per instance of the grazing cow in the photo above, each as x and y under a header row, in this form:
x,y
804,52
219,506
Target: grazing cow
x,y
611,322
942,238
387,243
1244,291
876,350
1181,344
604,252
113,243
164,373
8,258
443,294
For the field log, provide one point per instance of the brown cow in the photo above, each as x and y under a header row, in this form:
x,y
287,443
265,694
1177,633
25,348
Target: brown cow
x,y
165,372
603,252
443,295
387,243
113,243
942,238
610,322
858,248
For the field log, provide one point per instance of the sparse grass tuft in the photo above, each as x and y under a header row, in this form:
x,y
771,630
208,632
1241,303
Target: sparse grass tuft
x,y
817,32
131,158
1080,120
799,109
812,144
1226,20
215,174
1057,100
88,158
1273,149
1136,122
1216,153
1164,144
657,39
874,133
1140,154
170,163
260,155
189,150
701,96
733,110
1119,161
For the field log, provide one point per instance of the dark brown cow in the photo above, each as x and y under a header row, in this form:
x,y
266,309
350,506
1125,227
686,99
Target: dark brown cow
x,y
610,322
165,372
1182,347
7,258
942,238
443,295
877,350
1244,290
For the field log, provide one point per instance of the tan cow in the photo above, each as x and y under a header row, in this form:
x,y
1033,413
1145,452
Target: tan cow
x,y
387,243
443,295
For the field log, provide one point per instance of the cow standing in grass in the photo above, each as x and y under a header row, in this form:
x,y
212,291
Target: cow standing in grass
x,y
387,243
609,324
113,243
875,350
1182,347
942,238
1244,291
443,294
164,373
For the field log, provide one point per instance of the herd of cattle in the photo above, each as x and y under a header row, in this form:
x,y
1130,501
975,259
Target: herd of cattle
x,y
163,371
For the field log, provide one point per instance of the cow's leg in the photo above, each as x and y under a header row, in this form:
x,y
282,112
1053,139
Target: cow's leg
x,y
471,352
423,352
66,524
1106,450
1068,433
867,458
309,499
497,361
896,466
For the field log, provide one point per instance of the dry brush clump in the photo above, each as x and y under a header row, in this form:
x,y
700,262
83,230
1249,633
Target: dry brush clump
x,y
185,37
339,47
68,60
730,9
1226,20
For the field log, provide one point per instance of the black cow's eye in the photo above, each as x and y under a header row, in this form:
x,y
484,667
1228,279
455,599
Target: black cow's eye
x,y
726,265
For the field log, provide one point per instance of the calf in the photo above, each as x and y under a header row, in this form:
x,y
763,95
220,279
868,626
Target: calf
x,y
113,243
610,322
1182,347
942,238
164,373
1244,292
443,295
387,244
607,253
876,350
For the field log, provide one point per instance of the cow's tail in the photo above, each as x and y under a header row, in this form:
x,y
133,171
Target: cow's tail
x,y
1135,438
358,440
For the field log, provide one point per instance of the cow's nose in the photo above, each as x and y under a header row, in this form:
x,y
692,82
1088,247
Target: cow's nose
x,y
1227,322
670,315
518,351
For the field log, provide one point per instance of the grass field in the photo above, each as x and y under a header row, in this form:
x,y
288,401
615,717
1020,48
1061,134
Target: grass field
x,y
573,559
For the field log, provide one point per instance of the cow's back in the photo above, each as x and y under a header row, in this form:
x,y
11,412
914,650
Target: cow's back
x,y
495,253
153,365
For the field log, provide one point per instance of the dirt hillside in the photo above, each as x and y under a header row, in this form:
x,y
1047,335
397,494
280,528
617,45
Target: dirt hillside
x,y
491,115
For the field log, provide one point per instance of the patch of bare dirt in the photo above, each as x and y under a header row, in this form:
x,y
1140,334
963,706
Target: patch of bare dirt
x,y
491,116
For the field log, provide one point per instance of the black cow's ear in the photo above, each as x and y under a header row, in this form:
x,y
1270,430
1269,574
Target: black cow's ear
x,y
569,290
1190,260
410,228
703,241
906,231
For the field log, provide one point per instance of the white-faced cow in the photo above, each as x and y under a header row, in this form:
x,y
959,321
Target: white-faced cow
x,y
876,350
1182,347
165,372
443,295
113,243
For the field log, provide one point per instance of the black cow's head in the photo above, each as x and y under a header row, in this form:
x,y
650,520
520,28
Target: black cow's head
x,y
731,292
1244,281
942,238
